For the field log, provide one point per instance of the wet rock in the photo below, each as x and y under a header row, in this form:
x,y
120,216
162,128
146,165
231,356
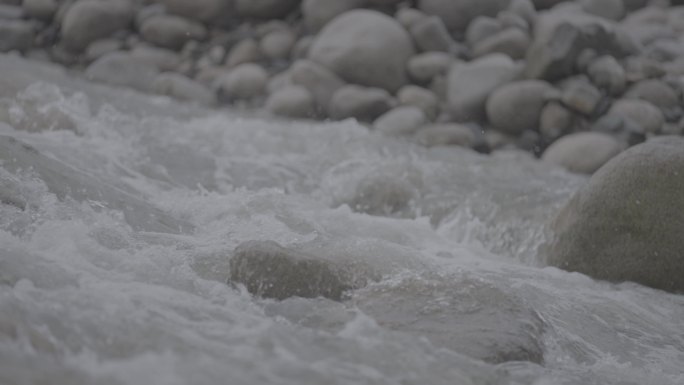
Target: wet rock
x,y
201,10
606,73
88,20
465,315
655,92
642,113
161,58
430,35
409,16
426,66
581,97
449,134
625,224
422,98
481,28
524,9
512,42
15,35
265,9
609,9
583,152
458,14
386,191
400,121
244,82
469,85
246,51
169,31
317,13
365,47
277,45
271,271
516,107
320,81
102,47
40,9
362,103
555,120
183,88
291,101
122,69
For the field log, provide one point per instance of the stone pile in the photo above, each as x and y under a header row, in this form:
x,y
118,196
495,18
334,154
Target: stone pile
x,y
485,74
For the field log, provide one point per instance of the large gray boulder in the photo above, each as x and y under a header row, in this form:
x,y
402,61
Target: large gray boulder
x,y
470,85
365,47
626,223
89,20
458,14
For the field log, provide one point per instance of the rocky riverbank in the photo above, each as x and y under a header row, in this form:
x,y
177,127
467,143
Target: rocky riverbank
x,y
574,82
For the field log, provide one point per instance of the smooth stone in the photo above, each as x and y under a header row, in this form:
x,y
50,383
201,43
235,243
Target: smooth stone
x,y
555,120
458,14
462,314
269,270
426,66
469,85
626,223
446,134
409,16
201,10
606,73
481,28
608,9
318,13
582,152
320,81
400,121
245,51
15,35
581,97
509,19
362,103
265,9
524,9
511,41
517,106
99,48
88,20
430,35
40,9
366,48
291,101
122,69
655,92
170,31
644,114
277,45
244,82
301,48
11,12
161,58
426,100
182,88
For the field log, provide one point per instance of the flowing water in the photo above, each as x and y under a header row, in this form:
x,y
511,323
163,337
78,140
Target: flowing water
x,y
120,213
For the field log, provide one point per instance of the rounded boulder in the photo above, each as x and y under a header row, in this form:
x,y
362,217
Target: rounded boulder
x,y
626,223
366,48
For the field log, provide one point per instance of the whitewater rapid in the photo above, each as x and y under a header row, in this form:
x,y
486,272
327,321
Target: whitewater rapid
x,y
120,213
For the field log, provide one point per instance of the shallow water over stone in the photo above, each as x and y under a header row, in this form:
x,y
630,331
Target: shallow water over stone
x,y
445,239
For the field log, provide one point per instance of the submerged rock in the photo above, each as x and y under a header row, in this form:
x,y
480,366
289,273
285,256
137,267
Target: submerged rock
x,y
465,315
271,271
626,223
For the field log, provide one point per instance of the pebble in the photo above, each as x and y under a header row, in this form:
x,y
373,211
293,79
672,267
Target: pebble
x,y
183,88
430,35
245,51
511,41
426,66
458,14
582,152
173,32
426,100
86,21
244,82
555,120
320,81
517,106
161,58
606,73
581,97
122,69
318,13
291,101
362,103
644,114
277,45
265,9
451,134
200,10
40,9
656,92
15,35
400,121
